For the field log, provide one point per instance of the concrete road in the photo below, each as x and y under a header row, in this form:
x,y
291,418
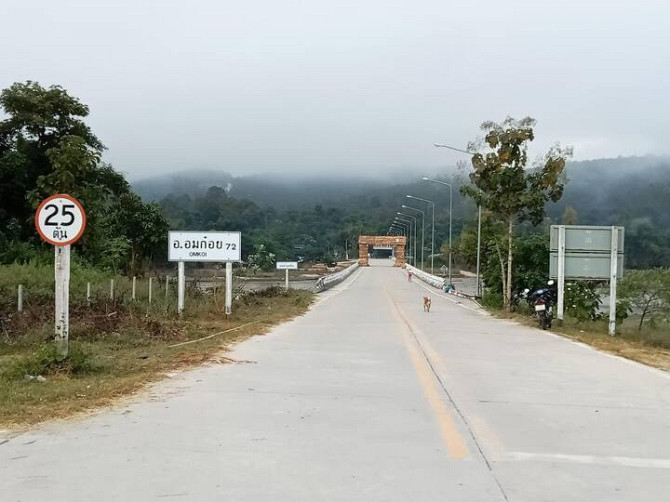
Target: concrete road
x,y
368,398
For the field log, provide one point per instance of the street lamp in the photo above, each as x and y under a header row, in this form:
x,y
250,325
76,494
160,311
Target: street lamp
x,y
432,240
451,199
423,228
402,227
479,215
409,218
407,225
407,232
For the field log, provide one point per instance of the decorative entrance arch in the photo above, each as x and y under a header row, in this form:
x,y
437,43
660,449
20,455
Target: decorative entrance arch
x,y
394,241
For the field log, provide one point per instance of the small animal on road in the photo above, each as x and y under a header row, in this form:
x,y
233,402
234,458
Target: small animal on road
x,y
426,303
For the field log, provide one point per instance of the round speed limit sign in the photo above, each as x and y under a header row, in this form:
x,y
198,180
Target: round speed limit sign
x,y
60,220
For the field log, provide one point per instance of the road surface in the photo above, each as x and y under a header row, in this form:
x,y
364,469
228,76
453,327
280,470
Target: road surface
x,y
368,398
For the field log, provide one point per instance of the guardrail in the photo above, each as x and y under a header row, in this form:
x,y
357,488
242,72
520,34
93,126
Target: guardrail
x,y
432,280
328,281
438,282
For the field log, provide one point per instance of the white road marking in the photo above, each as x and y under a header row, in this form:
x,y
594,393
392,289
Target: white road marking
x,y
645,463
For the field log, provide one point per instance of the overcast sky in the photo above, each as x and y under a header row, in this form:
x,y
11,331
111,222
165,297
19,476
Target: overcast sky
x,y
281,86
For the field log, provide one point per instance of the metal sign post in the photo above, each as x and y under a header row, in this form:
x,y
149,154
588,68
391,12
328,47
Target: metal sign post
x,y
287,265
181,287
560,307
229,287
614,269
61,220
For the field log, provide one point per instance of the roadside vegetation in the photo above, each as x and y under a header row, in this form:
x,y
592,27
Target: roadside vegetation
x,y
117,345
643,316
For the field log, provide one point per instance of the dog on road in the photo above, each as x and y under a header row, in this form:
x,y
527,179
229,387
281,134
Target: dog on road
x,y
426,303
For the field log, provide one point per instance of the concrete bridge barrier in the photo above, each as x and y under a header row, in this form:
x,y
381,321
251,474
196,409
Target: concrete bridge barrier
x,y
328,281
433,280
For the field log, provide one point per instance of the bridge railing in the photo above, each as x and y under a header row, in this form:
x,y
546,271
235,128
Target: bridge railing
x,y
433,280
328,281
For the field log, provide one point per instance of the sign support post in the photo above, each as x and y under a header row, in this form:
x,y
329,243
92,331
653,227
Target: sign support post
x,y
614,268
181,286
286,280
229,287
62,276
60,221
560,307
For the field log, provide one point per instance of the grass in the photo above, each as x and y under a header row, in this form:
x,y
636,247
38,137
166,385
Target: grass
x,y
651,346
116,346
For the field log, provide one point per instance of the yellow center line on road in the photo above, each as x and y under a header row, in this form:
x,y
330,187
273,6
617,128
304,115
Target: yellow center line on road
x,y
451,437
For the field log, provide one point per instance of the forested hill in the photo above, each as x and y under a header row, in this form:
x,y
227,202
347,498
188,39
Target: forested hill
x,y
279,192
631,191
603,191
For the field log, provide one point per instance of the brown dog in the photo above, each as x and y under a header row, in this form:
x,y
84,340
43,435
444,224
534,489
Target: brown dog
x,y
426,303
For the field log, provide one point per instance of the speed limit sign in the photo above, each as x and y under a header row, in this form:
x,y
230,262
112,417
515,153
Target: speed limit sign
x,y
60,220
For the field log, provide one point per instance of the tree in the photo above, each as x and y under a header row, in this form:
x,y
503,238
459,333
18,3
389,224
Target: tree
x,y
647,292
42,141
502,185
144,228
570,216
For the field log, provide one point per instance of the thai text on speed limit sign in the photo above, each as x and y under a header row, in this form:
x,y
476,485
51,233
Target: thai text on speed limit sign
x,y
60,220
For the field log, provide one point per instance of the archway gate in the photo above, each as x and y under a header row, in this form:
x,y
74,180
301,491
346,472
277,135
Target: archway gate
x,y
394,241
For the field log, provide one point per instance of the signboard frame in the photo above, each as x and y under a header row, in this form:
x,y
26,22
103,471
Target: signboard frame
x,y
203,237
576,242
286,266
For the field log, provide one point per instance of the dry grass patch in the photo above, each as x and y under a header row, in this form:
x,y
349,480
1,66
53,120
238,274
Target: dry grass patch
x,y
116,357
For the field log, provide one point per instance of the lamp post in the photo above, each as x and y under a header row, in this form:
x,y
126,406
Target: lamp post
x,y
479,216
423,228
408,218
403,230
451,198
432,233
408,225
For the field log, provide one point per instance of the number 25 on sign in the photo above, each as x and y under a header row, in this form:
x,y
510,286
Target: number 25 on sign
x,y
61,220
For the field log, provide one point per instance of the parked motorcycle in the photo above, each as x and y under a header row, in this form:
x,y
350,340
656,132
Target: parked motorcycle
x,y
542,303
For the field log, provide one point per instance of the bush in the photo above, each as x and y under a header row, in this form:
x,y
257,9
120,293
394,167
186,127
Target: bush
x,y
46,361
492,300
582,301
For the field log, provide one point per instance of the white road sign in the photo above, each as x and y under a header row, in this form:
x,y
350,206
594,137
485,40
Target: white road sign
x,y
60,220
287,265
204,246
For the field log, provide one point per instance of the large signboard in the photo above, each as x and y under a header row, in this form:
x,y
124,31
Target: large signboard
x,y
588,252
204,246
581,253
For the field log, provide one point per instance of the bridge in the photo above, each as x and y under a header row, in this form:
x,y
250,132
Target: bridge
x,y
367,397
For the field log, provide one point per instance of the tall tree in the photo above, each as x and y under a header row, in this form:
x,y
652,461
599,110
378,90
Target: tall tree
x,y
45,147
503,185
